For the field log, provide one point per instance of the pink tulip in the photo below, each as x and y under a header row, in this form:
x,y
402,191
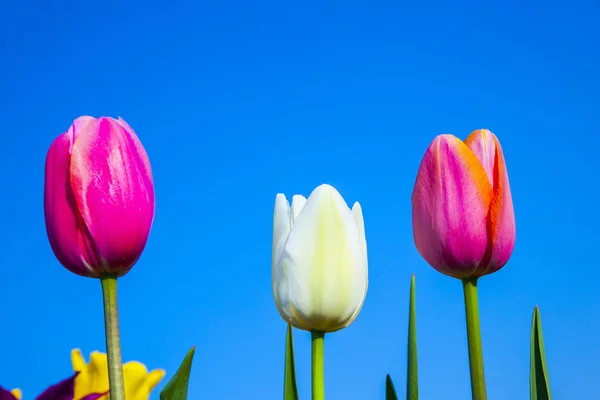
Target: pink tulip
x,y
463,217
98,197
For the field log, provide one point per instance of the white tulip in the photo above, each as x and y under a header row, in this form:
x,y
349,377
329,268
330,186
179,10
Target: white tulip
x,y
320,269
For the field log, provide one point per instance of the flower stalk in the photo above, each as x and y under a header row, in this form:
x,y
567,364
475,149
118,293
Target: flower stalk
x,y
318,365
113,340
478,389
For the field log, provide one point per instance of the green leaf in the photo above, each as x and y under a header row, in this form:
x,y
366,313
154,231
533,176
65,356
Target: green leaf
x,y
290,390
412,373
390,392
539,381
177,387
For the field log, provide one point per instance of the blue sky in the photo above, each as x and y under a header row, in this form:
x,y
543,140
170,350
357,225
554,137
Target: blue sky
x,y
237,101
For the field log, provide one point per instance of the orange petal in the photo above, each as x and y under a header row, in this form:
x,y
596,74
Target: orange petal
x,y
501,218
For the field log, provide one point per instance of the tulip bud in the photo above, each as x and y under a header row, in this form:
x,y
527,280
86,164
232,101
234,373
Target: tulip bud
x,y
98,197
462,210
319,260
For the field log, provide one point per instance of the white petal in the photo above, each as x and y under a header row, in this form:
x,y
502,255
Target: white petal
x,y
360,223
325,264
281,230
298,203
281,225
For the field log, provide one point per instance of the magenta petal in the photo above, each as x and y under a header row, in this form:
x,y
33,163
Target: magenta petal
x,y
450,204
60,210
78,125
6,394
114,192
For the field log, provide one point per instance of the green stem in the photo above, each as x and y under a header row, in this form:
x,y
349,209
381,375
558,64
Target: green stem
x,y
474,337
318,370
113,340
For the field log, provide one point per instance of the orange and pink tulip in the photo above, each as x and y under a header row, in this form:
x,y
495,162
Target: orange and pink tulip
x,y
462,209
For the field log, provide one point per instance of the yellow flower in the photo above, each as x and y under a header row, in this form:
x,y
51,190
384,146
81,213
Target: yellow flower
x,y
93,377
17,393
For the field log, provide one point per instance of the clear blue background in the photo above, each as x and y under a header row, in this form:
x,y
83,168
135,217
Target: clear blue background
x,y
237,101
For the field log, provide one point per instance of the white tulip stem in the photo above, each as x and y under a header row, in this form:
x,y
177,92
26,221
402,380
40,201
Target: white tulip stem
x,y
318,365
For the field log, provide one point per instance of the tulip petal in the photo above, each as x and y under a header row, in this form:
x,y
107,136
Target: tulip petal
x,y
360,223
501,218
77,126
298,203
281,225
132,133
482,142
323,264
450,200
281,230
112,183
67,234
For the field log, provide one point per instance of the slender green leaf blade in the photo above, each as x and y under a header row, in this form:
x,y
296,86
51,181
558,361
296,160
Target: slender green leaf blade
x,y
177,387
539,381
390,392
412,373
290,390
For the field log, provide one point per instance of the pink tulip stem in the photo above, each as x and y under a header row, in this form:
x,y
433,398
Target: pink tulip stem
x,y
113,340
318,365
478,389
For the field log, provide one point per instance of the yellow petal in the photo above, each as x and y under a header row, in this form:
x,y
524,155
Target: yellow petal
x,y
17,393
138,382
77,360
93,377
134,374
154,377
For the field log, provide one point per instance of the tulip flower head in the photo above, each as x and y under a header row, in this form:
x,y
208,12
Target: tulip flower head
x,y
462,209
98,197
319,260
